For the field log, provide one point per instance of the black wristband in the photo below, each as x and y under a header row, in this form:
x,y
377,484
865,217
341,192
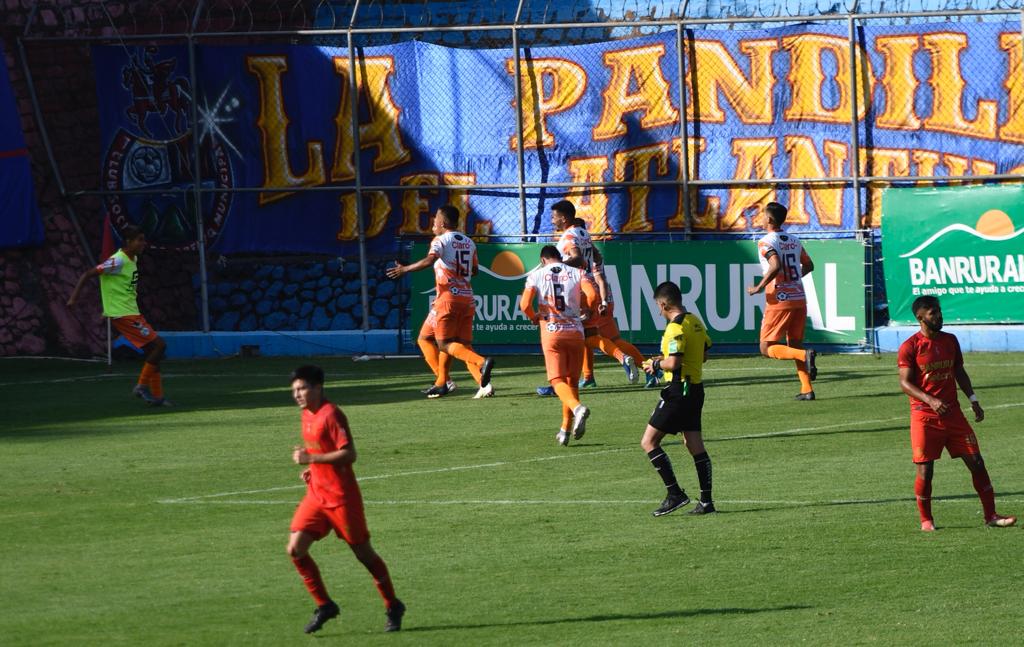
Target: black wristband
x,y
655,365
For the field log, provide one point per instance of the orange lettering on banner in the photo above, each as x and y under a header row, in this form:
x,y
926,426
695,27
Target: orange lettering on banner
x,y
898,82
593,206
891,162
376,215
1013,129
717,71
567,80
754,160
948,90
640,160
807,78
414,206
642,66
273,124
805,162
694,147
381,131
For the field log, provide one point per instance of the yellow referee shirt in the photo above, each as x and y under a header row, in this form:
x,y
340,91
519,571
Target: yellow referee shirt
x,y
687,337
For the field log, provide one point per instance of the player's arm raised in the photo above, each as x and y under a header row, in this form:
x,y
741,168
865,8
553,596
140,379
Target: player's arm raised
x,y
86,275
398,269
911,389
773,269
964,382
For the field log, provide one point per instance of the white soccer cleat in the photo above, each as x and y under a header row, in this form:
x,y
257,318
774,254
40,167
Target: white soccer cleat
x,y
629,365
579,421
562,437
484,392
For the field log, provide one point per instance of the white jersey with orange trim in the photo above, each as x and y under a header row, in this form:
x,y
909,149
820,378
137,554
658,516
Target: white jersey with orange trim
x,y
788,287
579,238
559,289
453,269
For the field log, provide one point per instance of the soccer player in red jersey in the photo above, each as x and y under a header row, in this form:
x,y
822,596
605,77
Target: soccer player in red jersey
x,y
332,501
931,367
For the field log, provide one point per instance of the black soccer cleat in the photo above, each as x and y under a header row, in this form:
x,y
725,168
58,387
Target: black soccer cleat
x,y
485,371
703,508
437,391
812,368
671,504
321,615
394,615
805,396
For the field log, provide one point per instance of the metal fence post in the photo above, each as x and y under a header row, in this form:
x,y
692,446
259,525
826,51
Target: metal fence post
x,y
197,170
518,93
684,138
869,315
353,90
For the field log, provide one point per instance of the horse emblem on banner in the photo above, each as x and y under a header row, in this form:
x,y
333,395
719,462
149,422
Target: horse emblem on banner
x,y
155,89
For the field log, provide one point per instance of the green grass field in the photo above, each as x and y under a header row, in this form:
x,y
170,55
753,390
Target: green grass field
x,y
127,525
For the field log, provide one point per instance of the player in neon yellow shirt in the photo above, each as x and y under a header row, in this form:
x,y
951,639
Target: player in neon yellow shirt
x,y
119,278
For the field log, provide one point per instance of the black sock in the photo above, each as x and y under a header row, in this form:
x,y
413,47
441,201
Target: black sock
x,y
703,464
661,462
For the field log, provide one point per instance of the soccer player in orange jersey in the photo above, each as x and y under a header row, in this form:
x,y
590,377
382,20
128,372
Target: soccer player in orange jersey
x,y
784,263
931,367
448,329
564,297
119,280
333,500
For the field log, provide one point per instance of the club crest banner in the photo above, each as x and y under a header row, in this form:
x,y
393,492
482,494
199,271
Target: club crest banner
x,y
932,100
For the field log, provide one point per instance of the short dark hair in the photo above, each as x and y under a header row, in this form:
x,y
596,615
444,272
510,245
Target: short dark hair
x,y
776,212
131,232
309,374
580,222
669,291
450,215
923,303
550,251
566,207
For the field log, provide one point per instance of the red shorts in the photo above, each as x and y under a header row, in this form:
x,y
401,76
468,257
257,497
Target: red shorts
x,y
563,356
348,521
449,321
135,329
784,324
930,433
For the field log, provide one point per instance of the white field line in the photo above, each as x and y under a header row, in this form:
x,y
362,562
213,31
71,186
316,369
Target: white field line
x,y
459,468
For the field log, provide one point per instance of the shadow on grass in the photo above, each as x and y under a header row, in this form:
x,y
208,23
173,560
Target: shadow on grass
x,y
797,434
614,617
848,502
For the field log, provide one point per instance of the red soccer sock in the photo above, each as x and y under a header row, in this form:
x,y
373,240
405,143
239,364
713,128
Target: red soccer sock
x,y
310,573
382,580
923,492
983,486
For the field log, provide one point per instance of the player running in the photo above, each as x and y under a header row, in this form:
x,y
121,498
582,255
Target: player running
x,y
448,329
564,297
333,500
931,367
684,349
119,280
784,263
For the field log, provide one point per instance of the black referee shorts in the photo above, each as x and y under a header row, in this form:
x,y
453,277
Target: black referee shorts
x,y
679,409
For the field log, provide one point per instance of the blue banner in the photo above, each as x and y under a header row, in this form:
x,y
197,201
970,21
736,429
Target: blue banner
x,y
931,100
20,223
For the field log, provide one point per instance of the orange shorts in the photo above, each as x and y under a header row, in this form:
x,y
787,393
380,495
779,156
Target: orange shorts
x,y
784,324
563,356
449,321
606,326
348,521
135,329
930,433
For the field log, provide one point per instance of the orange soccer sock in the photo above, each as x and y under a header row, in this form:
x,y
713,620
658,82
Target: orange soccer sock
x,y
382,580
606,346
566,418
147,371
430,353
780,351
588,363
310,573
465,353
630,350
566,394
805,377
444,365
156,383
474,370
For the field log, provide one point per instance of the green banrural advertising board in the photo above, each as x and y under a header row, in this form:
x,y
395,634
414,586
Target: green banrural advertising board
x,y
713,276
964,245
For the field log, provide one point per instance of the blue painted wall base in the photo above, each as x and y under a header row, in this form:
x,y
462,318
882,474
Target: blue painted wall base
x,y
1004,338
189,345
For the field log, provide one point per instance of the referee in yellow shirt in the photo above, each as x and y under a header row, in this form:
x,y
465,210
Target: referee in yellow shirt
x,y
684,349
